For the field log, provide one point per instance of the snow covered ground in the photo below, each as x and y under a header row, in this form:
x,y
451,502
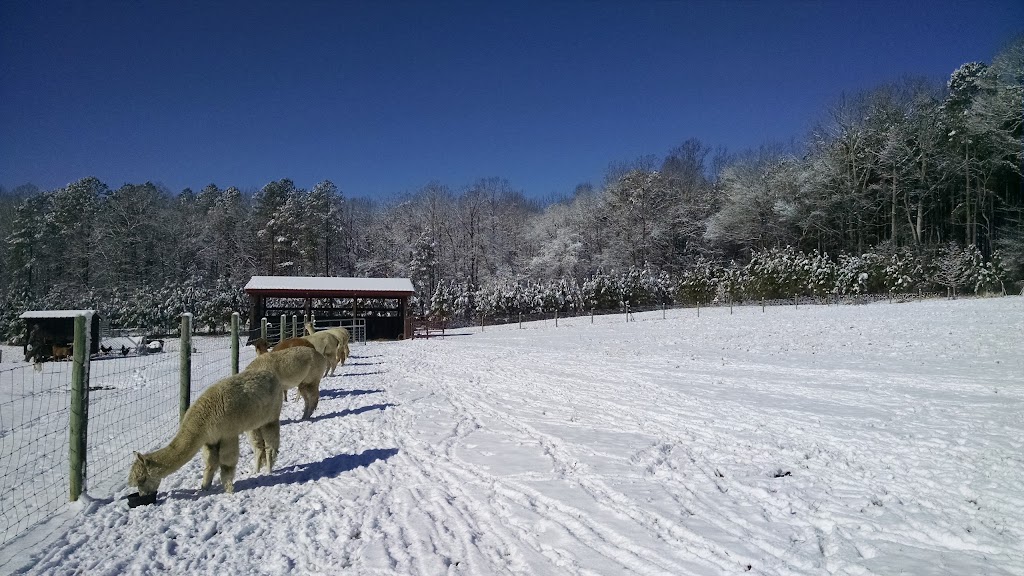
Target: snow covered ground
x,y
876,439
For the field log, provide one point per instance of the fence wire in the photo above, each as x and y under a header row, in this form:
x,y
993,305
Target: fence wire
x,y
133,402
133,405
34,420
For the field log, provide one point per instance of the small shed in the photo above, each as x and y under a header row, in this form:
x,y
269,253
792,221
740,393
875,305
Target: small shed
x,y
48,328
383,303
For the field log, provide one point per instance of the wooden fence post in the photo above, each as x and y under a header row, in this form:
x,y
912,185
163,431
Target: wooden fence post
x,y
284,327
295,326
234,342
79,408
263,328
185,366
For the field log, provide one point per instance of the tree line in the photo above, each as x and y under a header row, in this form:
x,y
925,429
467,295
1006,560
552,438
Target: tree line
x,y
918,171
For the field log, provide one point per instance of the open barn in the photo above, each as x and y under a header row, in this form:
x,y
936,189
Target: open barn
x,y
49,333
379,304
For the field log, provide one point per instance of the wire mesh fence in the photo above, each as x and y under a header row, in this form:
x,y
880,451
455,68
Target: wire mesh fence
x,y
34,408
133,404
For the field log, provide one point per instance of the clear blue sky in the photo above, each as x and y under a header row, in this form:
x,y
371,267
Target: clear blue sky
x,y
384,97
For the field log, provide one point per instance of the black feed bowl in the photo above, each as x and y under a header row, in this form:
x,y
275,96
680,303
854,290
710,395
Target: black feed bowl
x,y
136,499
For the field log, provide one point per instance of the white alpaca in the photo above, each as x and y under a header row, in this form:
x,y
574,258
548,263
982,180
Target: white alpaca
x,y
339,335
327,343
248,401
297,367
344,337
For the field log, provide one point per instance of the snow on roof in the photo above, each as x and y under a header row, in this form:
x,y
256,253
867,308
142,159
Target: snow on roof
x,y
330,284
57,313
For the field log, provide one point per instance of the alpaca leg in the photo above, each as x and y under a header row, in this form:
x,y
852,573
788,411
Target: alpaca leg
x,y
228,462
211,453
271,433
310,392
259,447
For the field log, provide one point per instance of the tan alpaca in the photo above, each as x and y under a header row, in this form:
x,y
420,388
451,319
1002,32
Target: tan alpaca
x,y
262,347
339,335
248,401
297,367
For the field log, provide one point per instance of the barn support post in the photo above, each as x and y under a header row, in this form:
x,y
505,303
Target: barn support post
x,y
185,365
234,342
79,409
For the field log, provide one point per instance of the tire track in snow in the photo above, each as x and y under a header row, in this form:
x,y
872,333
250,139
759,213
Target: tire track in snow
x,y
595,535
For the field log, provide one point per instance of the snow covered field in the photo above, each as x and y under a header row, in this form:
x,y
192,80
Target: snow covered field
x,y
876,439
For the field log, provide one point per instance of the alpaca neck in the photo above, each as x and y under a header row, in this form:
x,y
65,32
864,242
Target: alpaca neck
x,y
176,454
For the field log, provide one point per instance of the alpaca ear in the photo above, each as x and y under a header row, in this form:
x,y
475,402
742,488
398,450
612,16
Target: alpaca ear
x,y
140,458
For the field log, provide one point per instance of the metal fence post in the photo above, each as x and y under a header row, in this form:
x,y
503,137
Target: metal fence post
x,y
185,365
79,409
234,342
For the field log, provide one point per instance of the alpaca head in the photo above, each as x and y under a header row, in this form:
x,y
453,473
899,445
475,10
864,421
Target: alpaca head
x,y
262,346
142,476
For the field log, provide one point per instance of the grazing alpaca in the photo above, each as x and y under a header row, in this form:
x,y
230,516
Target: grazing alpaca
x,y
248,401
335,354
300,367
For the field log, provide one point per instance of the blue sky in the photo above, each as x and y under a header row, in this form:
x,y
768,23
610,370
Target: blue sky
x,y
384,97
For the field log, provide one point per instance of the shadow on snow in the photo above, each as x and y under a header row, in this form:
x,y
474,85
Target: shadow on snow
x,y
339,393
341,414
326,468
297,474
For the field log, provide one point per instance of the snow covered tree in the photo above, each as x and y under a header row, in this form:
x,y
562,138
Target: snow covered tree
x,y
953,267
131,238
757,200
270,219
423,268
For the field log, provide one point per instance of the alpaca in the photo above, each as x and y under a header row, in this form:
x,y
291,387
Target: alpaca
x,y
298,366
262,347
344,337
248,401
339,349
